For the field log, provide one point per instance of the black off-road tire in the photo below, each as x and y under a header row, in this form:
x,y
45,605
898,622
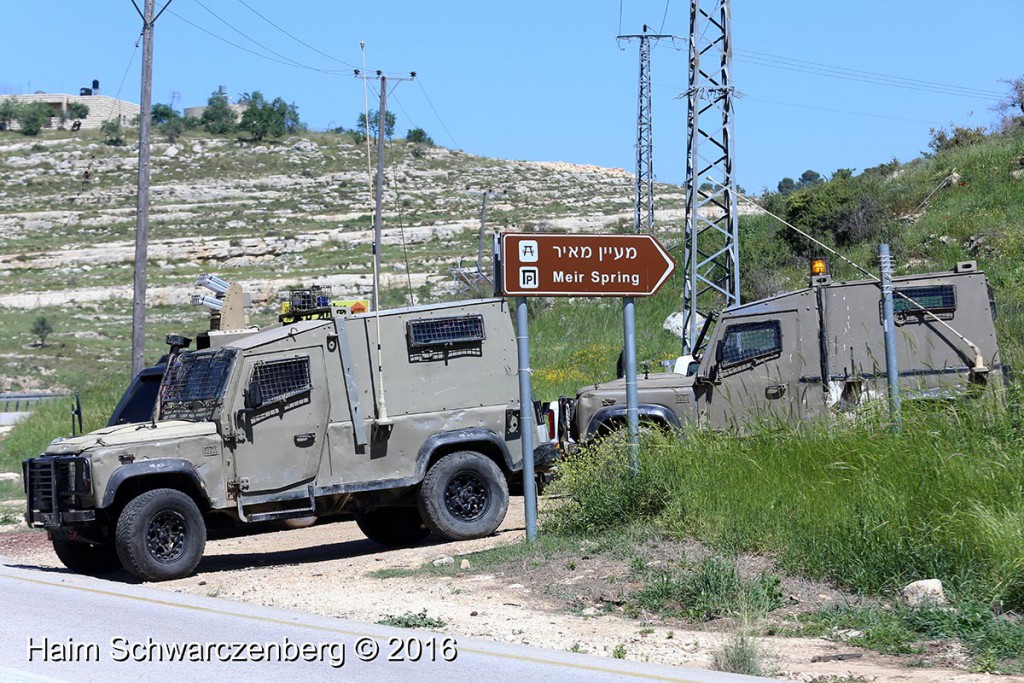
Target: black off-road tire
x,y
463,496
91,559
160,535
394,527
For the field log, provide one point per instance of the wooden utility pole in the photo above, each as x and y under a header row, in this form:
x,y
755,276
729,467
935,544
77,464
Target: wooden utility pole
x,y
142,205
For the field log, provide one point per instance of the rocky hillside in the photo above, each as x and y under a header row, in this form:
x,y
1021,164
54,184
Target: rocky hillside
x,y
271,216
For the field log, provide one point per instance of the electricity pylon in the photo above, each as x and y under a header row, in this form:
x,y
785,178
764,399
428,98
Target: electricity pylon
x,y
712,259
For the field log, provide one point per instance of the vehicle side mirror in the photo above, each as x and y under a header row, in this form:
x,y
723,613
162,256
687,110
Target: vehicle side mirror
x,y
254,396
719,351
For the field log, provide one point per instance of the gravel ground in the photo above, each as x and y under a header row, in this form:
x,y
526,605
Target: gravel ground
x,y
324,570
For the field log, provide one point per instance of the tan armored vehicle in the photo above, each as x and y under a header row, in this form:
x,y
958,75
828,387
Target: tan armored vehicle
x,y
812,352
291,422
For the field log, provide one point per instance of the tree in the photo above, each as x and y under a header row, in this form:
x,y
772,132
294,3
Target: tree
x,y
42,329
1012,107
8,112
162,113
218,118
419,136
389,123
168,122
33,117
786,186
268,119
78,110
809,178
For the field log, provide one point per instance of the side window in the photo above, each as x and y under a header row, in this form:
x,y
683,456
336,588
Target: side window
x,y
282,379
937,299
441,332
750,341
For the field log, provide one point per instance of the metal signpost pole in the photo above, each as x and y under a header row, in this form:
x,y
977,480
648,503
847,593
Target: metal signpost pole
x,y
889,330
629,365
526,422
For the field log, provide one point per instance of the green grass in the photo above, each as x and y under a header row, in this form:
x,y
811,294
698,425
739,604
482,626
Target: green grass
x,y
412,620
741,654
995,643
711,590
852,502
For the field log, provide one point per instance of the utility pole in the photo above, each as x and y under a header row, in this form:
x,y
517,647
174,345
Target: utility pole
x,y
484,194
142,202
378,214
643,205
712,258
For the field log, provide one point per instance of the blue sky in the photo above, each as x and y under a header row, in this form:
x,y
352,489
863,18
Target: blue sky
x,y
547,81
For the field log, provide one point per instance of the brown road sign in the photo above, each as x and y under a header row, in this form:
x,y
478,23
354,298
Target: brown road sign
x,y
583,265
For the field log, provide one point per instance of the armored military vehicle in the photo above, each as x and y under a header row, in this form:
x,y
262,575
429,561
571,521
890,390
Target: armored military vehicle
x,y
409,423
809,353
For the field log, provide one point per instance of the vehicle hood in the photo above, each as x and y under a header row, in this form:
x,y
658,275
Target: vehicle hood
x,y
659,380
121,435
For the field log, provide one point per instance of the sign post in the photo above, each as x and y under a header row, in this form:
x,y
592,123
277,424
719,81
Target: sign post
x,y
579,265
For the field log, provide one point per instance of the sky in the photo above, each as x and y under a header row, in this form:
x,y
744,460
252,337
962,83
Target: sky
x,y
821,85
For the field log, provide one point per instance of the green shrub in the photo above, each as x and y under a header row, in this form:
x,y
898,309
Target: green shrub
x,y
112,133
958,136
78,110
33,117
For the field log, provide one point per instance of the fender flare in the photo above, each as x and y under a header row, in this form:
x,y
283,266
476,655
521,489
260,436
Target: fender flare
x,y
654,412
149,468
462,437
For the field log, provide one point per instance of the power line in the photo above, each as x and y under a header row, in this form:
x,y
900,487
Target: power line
x,y
890,82
420,82
841,111
664,16
296,39
290,63
901,79
256,42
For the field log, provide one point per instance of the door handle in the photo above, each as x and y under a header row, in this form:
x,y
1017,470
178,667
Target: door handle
x,y
307,439
775,391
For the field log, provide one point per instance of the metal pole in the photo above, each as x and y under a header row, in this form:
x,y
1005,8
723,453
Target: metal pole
x,y
483,228
632,408
526,422
889,328
382,116
142,205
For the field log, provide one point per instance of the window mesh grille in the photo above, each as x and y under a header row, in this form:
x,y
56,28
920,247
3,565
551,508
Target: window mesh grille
x,y
445,331
192,386
936,298
280,379
747,342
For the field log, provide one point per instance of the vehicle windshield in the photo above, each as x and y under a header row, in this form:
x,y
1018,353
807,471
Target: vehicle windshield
x,y
193,385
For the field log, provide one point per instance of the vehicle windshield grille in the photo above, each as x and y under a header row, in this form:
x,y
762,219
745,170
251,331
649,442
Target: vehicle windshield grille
x,y
193,385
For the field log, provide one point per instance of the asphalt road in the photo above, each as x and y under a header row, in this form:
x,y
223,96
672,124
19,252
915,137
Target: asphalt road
x,y
58,626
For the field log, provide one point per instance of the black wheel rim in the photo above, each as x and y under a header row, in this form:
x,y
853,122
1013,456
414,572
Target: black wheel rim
x,y
466,496
167,536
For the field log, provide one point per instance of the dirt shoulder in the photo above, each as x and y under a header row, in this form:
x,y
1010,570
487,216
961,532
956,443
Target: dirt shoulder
x,y
573,606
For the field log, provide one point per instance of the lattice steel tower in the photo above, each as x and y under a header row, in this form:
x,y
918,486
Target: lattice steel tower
x,y
712,268
643,204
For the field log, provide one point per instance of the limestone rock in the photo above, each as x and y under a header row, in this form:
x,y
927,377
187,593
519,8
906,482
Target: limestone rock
x,y
924,591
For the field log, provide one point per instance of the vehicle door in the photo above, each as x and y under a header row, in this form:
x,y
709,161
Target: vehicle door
x,y
757,373
281,431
